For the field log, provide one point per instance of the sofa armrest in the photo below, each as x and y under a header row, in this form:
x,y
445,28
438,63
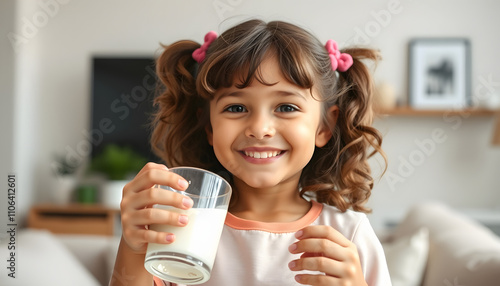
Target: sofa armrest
x,y
41,259
461,251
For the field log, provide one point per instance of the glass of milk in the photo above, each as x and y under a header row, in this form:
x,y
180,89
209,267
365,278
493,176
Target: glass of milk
x,y
189,259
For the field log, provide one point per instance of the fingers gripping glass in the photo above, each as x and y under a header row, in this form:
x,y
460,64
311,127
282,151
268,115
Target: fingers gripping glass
x,y
189,259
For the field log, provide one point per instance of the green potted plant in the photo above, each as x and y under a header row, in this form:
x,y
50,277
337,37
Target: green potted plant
x,y
119,165
65,172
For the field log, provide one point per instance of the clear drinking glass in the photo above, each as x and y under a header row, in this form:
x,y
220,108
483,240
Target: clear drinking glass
x,y
189,259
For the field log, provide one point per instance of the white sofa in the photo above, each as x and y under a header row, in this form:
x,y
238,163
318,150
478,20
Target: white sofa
x,y
44,259
432,246
437,246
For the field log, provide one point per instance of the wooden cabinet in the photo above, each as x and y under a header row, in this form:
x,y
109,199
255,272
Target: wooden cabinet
x,y
75,219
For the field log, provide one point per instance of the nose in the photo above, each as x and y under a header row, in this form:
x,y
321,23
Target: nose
x,y
260,126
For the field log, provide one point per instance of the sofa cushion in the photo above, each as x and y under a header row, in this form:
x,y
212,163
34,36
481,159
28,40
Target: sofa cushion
x,y
461,251
406,257
92,251
43,260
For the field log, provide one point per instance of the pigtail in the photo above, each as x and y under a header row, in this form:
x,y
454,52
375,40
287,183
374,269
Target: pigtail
x,y
176,126
354,140
355,120
357,87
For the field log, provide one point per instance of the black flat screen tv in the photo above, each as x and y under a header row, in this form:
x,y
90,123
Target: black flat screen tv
x,y
123,90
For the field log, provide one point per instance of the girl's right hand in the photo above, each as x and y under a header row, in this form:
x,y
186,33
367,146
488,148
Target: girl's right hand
x,y
137,213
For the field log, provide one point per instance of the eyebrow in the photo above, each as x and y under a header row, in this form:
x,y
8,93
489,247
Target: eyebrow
x,y
279,92
291,93
227,94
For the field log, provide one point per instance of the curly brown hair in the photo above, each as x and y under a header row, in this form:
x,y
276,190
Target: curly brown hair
x,y
338,174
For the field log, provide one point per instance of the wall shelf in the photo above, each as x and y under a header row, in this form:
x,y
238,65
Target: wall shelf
x,y
408,111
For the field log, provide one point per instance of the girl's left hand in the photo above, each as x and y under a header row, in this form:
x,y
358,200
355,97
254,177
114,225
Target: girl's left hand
x,y
326,250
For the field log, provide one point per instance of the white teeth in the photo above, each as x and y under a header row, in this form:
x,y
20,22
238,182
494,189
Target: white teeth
x,y
262,155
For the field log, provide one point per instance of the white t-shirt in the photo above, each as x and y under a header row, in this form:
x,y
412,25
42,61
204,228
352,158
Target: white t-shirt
x,y
256,253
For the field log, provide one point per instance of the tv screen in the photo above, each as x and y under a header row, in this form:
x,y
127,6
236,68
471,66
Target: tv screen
x,y
122,103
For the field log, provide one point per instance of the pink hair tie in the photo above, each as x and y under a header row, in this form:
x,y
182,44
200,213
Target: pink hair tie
x,y
200,53
340,61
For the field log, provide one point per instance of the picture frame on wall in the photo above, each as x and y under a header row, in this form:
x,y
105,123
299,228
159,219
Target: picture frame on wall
x,y
439,73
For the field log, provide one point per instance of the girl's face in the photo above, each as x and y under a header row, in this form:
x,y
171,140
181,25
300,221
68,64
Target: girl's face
x,y
265,135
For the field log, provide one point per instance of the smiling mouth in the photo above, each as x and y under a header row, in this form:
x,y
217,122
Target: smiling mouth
x,y
262,155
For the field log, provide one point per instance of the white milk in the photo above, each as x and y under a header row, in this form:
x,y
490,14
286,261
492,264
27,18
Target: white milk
x,y
199,238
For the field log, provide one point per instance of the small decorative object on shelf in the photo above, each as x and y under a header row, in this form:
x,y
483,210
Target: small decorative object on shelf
x,y
440,73
385,97
87,194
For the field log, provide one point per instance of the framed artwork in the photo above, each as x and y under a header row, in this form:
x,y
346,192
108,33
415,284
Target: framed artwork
x,y
439,73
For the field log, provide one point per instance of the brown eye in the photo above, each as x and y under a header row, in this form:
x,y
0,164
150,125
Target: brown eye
x,y
286,108
236,108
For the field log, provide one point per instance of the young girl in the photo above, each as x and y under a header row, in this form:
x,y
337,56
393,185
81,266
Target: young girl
x,y
288,120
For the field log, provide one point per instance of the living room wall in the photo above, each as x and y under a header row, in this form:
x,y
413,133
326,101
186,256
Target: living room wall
x,y
7,23
56,39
